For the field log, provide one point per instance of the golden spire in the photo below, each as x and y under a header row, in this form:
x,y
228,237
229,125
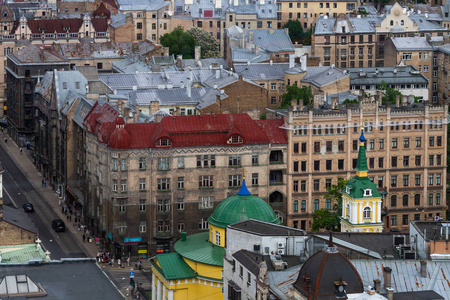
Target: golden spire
x,y
243,173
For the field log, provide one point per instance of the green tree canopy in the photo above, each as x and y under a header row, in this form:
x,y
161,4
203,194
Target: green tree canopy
x,y
348,101
329,219
293,92
179,42
209,45
296,32
389,94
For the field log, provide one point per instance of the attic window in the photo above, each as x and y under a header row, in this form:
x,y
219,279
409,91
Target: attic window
x,y
41,29
235,139
66,28
77,85
163,143
367,192
5,15
347,190
65,85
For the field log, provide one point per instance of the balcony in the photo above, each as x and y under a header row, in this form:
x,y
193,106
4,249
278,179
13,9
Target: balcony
x,y
352,56
361,56
276,157
370,56
343,57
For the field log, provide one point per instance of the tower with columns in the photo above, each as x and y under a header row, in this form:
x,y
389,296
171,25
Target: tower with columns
x,y
361,201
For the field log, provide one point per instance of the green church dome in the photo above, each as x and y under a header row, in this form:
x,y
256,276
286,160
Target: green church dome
x,y
241,207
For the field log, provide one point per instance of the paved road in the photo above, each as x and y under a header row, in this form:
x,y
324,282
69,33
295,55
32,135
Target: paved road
x,y
17,190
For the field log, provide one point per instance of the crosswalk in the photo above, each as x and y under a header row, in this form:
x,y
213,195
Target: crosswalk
x,y
121,277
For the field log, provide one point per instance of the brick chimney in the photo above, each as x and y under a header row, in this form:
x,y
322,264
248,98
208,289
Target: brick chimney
x,y
134,46
198,53
387,272
423,268
154,107
377,285
41,53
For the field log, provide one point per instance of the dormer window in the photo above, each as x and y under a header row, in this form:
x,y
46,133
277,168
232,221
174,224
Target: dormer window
x,y
42,29
66,28
367,192
163,143
235,139
347,190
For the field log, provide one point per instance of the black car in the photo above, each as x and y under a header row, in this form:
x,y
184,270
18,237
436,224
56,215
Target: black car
x,y
28,207
58,225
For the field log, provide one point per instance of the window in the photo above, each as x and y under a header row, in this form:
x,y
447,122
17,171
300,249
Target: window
x,y
393,220
163,143
380,181
328,145
205,181
438,159
303,185
405,180
142,164
180,183
372,163
303,205
123,164
341,146
367,192
417,179
355,145
340,164
316,184
180,203
405,220
123,185
438,179
139,25
205,203
142,205
303,147
206,160
122,206
418,142
317,165
295,207
139,36
316,147
217,238
367,213
203,224
406,161
234,161
371,145
350,6
122,226
439,141
431,160
114,164
394,180
328,164
115,185
418,160
381,144
406,143
328,203
180,227
407,56
438,199
394,143
163,184
430,199
142,226
328,182
417,199
381,162
295,186
142,185
405,200
394,161
393,200
180,162
163,163
255,158
234,180
431,140
254,178
316,204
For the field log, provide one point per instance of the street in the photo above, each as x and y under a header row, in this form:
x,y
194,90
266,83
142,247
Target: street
x,y
17,190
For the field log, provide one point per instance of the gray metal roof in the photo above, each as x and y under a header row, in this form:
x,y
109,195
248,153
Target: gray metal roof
x,y
131,65
444,48
146,5
83,108
425,24
320,76
404,75
411,43
66,81
118,19
197,9
262,71
17,218
406,275
341,96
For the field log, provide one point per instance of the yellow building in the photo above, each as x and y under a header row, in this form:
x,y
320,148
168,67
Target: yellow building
x,y
194,270
361,201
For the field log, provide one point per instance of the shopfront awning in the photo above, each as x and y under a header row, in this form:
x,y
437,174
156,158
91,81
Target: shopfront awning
x,y
76,194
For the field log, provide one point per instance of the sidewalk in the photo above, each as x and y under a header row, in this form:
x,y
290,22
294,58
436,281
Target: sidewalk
x,y
120,276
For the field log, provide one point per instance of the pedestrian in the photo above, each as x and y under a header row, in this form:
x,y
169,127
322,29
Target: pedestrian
x,y
84,238
128,261
67,216
42,183
112,261
119,262
79,226
62,209
20,151
70,218
6,140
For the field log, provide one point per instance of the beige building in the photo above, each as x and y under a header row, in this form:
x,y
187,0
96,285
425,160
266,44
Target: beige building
x,y
195,162
443,67
406,153
358,42
307,12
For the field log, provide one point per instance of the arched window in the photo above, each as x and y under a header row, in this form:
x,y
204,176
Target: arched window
x,y
305,131
331,129
316,204
295,130
338,129
402,22
430,199
381,126
217,238
355,127
435,123
326,129
347,210
314,130
319,129
296,206
421,125
397,126
367,211
440,123
303,205
393,200
404,126
392,125
430,126
415,125
343,128
299,130
392,22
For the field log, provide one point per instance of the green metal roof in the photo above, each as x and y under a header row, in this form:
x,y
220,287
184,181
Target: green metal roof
x,y
196,247
238,208
361,164
174,267
358,185
21,253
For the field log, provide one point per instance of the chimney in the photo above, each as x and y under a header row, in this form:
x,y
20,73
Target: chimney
x,y
300,105
294,103
251,37
404,100
78,47
377,285
92,46
166,51
397,101
423,268
255,49
428,37
157,118
217,74
303,65
387,277
41,53
291,61
390,293
240,77
55,46
198,53
334,102
154,107
108,43
188,89
134,47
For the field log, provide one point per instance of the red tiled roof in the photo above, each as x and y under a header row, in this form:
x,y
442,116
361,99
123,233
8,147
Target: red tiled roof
x,y
61,25
98,115
111,2
183,131
273,131
102,11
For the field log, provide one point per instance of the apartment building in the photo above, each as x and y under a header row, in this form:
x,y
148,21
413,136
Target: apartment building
x,y
443,65
359,42
307,12
406,153
152,181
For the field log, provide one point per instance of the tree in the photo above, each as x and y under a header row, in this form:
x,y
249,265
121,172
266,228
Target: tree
x,y
293,92
348,101
296,32
390,94
209,45
179,42
329,219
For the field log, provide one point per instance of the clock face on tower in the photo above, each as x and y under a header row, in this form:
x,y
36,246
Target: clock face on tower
x,y
341,288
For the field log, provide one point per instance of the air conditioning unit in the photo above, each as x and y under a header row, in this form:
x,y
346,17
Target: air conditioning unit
x,y
280,251
281,245
398,239
409,254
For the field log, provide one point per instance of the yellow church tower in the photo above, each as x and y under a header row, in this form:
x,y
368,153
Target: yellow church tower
x,y
361,201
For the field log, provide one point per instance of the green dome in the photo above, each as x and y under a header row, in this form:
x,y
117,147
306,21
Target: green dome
x,y
239,208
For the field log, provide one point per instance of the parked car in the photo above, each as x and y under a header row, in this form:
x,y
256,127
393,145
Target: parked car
x,y
28,207
58,225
